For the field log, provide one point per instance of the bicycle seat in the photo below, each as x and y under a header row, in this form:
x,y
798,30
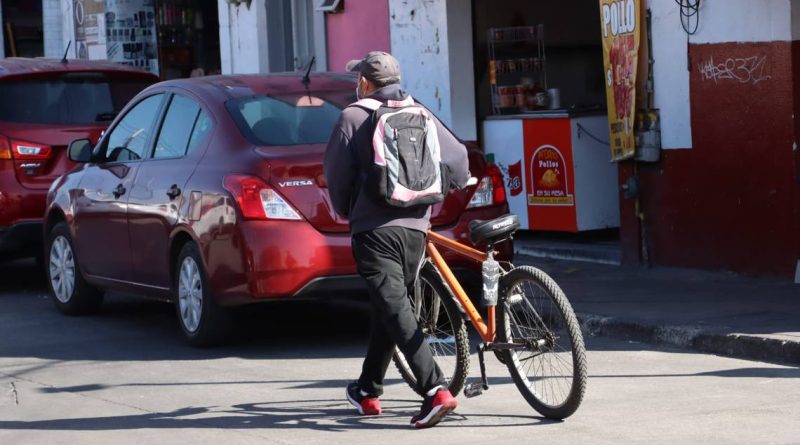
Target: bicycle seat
x,y
493,231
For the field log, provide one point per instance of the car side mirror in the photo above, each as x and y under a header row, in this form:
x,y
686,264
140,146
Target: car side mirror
x,y
80,151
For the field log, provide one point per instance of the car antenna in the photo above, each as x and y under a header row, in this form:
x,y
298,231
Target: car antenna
x,y
307,78
64,59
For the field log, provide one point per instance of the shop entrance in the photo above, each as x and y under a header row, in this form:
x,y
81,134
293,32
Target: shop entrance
x,y
171,38
541,109
23,35
188,38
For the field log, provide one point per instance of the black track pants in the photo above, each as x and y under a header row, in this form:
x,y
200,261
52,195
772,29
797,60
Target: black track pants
x,y
388,259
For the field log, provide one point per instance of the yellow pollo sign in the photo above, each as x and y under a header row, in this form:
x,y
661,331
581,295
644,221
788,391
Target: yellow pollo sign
x,y
620,20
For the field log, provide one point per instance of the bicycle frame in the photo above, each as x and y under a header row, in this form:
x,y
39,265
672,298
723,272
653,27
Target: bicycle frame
x,y
486,329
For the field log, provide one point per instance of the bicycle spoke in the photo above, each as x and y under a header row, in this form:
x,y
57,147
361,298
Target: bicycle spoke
x,y
443,329
547,367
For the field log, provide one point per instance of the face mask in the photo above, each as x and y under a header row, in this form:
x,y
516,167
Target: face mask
x,y
358,93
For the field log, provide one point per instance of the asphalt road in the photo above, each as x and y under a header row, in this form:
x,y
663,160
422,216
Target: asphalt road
x,y
126,376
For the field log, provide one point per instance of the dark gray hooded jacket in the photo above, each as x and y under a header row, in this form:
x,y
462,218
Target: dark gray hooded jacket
x,y
349,155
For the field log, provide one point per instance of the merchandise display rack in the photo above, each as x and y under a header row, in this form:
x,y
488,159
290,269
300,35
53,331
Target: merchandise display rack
x,y
517,69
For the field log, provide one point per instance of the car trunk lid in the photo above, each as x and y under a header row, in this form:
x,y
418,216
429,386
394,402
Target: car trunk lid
x,y
39,152
296,172
43,112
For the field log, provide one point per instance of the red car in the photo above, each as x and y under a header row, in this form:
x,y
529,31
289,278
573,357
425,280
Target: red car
x,y
209,192
46,104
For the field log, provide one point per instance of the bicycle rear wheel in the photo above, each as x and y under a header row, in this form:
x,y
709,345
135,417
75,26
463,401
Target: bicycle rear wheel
x,y
445,333
549,366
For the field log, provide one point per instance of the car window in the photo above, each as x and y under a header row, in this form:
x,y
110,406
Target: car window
x,y
74,99
202,128
128,140
176,131
285,120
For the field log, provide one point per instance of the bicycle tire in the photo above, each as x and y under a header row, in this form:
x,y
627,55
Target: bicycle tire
x,y
449,342
534,310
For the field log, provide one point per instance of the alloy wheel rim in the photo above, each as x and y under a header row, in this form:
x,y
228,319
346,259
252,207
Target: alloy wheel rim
x,y
62,269
190,294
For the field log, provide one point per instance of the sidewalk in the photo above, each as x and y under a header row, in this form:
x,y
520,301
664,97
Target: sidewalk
x,y
714,312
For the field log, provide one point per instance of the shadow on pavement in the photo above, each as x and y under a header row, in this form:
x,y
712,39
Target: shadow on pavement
x,y
286,384
22,276
320,415
134,328
759,373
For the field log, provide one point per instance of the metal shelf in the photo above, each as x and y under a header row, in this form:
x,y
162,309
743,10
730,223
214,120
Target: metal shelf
x,y
529,39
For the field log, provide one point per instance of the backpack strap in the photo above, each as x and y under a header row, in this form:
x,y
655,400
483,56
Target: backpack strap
x,y
373,104
407,102
368,103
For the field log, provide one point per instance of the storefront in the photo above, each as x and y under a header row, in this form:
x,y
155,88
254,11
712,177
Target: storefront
x,y
22,29
188,37
171,38
541,111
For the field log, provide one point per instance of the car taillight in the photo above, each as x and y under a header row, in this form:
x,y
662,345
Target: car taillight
x,y
490,190
257,200
5,148
28,150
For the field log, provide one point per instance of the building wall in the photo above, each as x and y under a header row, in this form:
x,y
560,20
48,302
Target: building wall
x,y
433,42
52,40
243,38
731,201
671,75
53,22
462,73
362,27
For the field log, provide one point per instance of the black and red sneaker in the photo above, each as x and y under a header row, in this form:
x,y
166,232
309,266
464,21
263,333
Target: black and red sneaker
x,y
365,404
434,408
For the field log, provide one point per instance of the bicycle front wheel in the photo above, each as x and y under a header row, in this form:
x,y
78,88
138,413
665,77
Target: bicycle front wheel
x,y
445,333
548,365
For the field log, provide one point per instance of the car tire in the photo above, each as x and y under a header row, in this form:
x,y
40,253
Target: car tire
x,y
69,291
202,320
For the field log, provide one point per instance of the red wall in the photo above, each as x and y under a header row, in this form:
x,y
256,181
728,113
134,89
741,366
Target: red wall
x,y
363,26
732,201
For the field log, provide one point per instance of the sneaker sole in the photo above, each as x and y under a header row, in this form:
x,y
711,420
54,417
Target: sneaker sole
x,y
437,414
358,405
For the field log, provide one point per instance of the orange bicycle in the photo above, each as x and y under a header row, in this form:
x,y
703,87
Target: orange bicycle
x,y
530,325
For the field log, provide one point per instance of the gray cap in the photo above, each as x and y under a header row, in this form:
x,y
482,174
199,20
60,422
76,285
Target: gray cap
x,y
377,66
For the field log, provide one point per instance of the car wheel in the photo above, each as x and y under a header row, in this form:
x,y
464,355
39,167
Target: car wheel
x,y
202,320
68,289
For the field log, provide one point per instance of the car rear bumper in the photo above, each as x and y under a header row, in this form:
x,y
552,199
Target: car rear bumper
x,y
21,239
283,259
324,287
21,213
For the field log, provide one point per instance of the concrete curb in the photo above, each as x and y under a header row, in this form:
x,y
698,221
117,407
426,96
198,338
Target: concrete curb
x,y
601,256
708,340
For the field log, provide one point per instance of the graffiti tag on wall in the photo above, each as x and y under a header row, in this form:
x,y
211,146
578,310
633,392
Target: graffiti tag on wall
x,y
750,70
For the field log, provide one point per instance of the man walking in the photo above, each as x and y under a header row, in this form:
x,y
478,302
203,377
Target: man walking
x,y
389,240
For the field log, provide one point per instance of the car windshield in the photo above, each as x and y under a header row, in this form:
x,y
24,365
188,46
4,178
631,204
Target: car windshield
x,y
286,120
69,100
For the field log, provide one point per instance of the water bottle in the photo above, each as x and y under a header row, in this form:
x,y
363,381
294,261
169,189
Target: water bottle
x,y
491,275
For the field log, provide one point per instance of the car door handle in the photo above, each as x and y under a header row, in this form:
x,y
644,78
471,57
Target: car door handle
x,y
174,191
119,191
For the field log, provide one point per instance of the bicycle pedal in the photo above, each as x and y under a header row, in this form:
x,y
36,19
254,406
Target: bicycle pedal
x,y
473,390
